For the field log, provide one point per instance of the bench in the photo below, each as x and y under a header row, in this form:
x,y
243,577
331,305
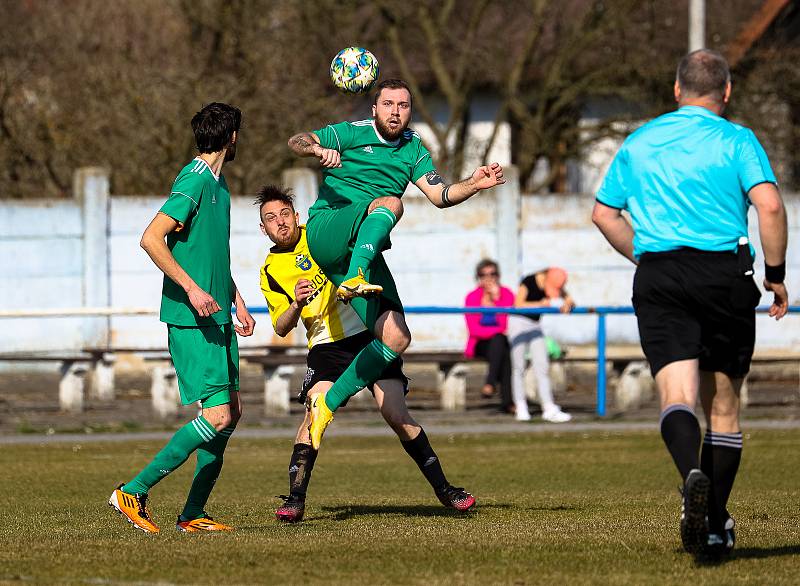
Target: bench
x,y
75,366
279,364
164,393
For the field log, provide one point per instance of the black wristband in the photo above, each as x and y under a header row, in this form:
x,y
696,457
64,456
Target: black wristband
x,y
775,274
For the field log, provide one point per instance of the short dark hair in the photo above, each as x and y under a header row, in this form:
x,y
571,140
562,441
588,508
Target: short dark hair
x,y
270,193
703,73
214,125
391,84
484,264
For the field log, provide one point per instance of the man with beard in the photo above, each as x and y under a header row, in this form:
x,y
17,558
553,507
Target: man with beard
x,y
367,166
189,240
296,289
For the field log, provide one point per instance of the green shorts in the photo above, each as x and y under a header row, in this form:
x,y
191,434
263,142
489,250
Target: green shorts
x,y
331,238
206,359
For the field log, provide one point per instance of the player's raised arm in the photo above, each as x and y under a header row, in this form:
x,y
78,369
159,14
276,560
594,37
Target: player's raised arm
x,y
444,196
306,144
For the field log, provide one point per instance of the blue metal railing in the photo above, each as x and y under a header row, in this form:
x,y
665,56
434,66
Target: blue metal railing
x,y
602,311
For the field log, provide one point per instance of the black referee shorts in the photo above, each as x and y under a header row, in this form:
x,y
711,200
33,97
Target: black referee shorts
x,y
327,362
696,304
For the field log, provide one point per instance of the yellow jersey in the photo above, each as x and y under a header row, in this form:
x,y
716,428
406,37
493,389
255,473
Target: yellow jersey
x,y
325,318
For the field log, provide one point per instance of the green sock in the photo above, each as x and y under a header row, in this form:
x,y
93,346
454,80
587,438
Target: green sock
x,y
209,464
185,441
366,368
372,235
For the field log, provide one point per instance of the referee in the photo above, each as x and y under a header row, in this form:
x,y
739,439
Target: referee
x,y
687,179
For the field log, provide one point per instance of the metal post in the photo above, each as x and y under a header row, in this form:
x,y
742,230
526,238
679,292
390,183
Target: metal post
x,y
697,25
601,364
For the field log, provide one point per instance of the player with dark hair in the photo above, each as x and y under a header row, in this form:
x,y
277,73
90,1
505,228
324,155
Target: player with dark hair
x,y
687,179
296,288
367,166
189,240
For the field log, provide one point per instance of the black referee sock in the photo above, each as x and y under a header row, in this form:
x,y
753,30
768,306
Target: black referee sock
x,y
422,453
681,433
300,466
720,459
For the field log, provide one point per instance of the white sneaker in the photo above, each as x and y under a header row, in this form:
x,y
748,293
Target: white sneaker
x,y
522,416
556,415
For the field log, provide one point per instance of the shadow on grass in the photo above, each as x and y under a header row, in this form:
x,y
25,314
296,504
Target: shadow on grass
x,y
341,513
750,553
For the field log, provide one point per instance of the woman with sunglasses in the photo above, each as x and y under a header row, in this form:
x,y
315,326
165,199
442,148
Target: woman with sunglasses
x,y
487,338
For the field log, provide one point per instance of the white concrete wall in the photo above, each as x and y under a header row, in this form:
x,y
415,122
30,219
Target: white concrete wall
x,y
433,258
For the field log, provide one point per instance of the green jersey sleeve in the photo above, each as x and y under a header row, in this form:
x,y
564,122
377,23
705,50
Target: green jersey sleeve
x,y
424,163
336,136
184,198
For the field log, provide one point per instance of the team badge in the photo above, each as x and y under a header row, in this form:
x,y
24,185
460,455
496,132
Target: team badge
x,y
301,261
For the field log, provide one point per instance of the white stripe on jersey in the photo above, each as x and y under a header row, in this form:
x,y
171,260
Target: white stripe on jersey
x,y
338,142
202,166
185,195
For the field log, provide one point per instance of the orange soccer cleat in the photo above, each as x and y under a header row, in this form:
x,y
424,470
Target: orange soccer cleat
x,y
204,523
134,508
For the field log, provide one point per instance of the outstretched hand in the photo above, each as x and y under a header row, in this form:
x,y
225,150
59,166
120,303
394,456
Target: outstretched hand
x,y
488,176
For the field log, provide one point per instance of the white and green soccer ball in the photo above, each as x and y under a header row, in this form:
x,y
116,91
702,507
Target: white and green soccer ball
x,y
354,70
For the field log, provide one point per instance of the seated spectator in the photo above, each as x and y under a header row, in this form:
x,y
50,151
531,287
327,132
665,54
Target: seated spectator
x,y
541,289
487,337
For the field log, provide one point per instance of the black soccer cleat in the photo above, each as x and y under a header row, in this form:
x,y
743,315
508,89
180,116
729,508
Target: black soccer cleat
x,y
694,511
721,544
292,509
456,498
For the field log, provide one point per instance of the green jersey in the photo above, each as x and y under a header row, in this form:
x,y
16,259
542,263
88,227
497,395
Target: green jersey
x,y
371,166
201,203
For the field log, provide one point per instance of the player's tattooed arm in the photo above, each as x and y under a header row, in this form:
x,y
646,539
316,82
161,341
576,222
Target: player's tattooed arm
x,y
433,178
443,195
306,144
303,144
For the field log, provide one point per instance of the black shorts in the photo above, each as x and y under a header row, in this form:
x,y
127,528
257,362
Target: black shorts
x,y
327,362
696,304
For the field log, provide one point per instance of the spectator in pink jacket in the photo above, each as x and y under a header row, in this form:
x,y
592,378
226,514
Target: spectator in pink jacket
x,y
487,337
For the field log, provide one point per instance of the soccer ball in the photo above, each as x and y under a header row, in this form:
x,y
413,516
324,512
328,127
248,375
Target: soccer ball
x,y
354,70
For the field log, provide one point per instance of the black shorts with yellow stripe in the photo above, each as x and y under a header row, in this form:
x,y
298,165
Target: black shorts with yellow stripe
x,y
327,362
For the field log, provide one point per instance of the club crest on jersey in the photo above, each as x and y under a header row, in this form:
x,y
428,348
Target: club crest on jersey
x,y
301,261
368,149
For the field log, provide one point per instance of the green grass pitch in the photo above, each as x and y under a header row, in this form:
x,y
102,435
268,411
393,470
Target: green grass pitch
x,y
553,508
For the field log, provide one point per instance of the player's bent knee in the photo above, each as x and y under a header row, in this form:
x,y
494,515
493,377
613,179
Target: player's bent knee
x,y
392,203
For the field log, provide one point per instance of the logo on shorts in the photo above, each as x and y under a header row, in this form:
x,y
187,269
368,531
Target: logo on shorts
x,y
301,261
368,246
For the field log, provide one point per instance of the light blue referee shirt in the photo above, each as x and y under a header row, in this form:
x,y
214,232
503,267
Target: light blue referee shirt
x,y
684,179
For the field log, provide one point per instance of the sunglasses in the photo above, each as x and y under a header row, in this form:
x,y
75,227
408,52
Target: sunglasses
x,y
491,274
